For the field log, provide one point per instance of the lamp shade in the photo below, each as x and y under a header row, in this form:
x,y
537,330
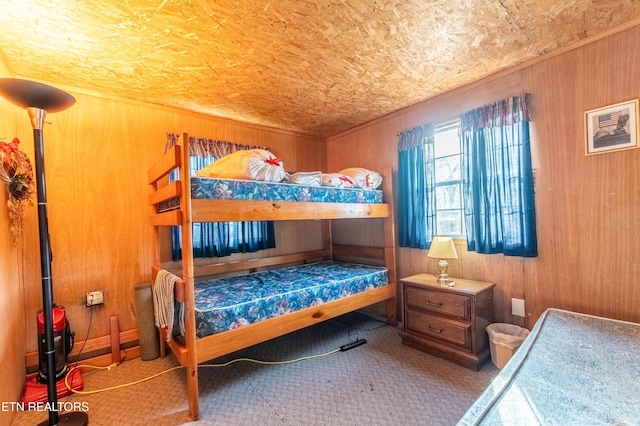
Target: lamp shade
x,y
442,248
26,93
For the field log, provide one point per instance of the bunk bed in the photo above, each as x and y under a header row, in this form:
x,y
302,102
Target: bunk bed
x,y
196,346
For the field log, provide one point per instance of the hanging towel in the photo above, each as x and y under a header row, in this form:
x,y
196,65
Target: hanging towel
x,y
163,301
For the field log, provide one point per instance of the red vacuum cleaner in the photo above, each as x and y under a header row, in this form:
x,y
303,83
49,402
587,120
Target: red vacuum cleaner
x,y
63,339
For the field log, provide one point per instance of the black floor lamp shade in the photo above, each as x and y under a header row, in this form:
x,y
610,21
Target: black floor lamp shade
x,y
38,99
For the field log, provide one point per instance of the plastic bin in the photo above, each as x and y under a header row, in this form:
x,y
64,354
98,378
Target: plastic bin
x,y
504,341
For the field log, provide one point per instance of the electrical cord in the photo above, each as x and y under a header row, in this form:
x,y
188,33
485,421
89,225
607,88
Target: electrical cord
x,y
66,377
109,367
350,333
87,336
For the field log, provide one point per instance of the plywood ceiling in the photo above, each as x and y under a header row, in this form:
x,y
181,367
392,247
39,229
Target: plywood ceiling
x,y
313,66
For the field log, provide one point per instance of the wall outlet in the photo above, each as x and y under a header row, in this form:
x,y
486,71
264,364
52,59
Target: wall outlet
x,y
517,307
95,297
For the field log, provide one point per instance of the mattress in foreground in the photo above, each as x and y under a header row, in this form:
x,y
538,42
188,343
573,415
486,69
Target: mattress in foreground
x,y
226,303
573,369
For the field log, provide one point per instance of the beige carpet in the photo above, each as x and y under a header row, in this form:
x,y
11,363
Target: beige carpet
x,y
380,383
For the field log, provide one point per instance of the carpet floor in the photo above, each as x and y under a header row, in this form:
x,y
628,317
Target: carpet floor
x,y
382,382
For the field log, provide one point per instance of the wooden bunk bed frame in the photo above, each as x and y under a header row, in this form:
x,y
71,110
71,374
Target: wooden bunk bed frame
x,y
198,350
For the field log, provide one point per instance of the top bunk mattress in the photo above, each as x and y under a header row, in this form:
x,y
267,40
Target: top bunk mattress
x,y
206,188
235,189
225,303
573,369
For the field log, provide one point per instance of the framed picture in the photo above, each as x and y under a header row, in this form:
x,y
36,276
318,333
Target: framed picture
x,y
612,128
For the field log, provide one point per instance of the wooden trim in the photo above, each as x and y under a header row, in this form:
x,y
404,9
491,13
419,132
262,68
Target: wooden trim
x,y
232,210
114,339
393,306
92,345
358,251
169,161
170,218
190,361
166,193
257,263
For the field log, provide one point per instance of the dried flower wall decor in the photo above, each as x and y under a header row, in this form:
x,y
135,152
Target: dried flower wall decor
x,y
16,172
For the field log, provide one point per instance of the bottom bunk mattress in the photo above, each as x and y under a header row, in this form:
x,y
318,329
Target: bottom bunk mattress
x,y
573,369
225,303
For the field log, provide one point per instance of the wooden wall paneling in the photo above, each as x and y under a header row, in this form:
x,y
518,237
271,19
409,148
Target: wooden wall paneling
x,y
582,199
584,204
97,156
611,182
12,344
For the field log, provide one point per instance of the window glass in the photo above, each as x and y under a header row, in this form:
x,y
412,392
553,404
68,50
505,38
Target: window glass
x,y
448,180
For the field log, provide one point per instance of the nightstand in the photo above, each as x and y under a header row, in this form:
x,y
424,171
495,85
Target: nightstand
x,y
448,322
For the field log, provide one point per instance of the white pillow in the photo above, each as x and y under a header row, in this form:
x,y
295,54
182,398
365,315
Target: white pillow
x,y
363,178
337,180
306,178
251,164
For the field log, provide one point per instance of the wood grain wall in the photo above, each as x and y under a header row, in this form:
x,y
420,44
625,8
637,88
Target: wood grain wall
x,y
586,206
97,154
12,343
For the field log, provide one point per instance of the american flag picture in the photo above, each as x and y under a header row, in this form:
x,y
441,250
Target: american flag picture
x,y
612,128
608,120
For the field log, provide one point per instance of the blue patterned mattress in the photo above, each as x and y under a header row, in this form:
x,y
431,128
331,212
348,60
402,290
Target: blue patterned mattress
x,y
233,189
225,303
573,369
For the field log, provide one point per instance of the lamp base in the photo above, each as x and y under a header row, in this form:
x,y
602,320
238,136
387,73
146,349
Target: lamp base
x,y
443,278
445,281
70,419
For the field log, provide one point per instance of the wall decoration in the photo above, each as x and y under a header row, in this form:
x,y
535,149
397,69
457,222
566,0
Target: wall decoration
x,y
612,128
16,172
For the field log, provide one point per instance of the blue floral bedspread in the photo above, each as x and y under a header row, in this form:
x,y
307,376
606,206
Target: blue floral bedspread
x,y
232,189
230,302
573,369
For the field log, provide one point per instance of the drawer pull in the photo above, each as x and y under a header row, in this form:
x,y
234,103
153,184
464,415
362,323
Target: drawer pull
x,y
436,304
437,330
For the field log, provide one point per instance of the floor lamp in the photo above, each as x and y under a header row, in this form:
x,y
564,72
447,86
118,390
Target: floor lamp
x,y
39,98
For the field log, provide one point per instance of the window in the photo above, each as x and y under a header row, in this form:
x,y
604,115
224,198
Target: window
x,y
448,180
470,178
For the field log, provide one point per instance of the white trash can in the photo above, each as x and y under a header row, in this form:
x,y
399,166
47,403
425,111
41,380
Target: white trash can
x,y
504,341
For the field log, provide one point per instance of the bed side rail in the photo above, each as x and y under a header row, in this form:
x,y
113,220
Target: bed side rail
x,y
256,264
344,250
167,194
161,168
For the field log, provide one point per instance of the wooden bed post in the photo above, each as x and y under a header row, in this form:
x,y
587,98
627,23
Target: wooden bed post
x,y
390,244
155,252
328,238
188,276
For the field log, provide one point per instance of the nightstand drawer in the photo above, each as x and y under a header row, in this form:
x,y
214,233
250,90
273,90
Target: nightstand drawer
x,y
439,328
437,301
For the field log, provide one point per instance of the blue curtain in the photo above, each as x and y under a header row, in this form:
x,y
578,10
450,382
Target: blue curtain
x,y
498,179
416,175
219,239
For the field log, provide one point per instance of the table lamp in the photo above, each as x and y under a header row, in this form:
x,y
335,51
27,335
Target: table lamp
x,y
443,248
